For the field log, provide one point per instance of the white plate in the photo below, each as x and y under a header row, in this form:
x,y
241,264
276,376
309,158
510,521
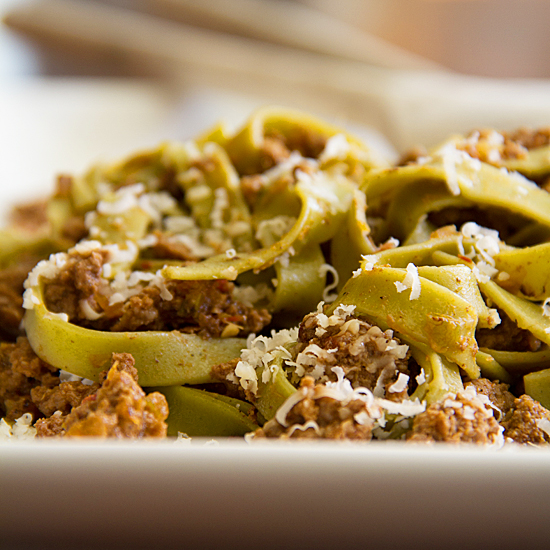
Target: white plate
x,y
137,495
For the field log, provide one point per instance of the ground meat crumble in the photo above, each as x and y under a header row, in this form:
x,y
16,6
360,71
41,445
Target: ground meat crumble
x,y
29,385
497,393
224,374
527,422
62,397
202,307
119,408
21,371
369,357
78,280
507,336
11,301
320,417
459,418
495,147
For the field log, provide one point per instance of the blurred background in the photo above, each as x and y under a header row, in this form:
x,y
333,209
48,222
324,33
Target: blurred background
x,y
83,80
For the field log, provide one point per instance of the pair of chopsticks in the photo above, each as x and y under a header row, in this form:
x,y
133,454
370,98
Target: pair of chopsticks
x,y
254,40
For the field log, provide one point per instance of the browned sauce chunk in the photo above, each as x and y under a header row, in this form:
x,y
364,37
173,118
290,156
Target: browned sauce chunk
x,y
202,307
320,418
119,408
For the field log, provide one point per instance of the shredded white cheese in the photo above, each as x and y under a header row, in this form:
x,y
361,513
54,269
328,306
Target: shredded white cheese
x,y
21,429
221,204
262,352
486,243
337,147
412,281
421,378
328,295
400,384
246,374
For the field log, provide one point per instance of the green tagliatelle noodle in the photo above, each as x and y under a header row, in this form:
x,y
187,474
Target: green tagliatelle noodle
x,y
442,251
408,197
235,237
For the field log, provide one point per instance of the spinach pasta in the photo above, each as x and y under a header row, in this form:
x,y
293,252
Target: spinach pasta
x,y
285,281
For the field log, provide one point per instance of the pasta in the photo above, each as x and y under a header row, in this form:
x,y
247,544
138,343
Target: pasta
x,y
285,281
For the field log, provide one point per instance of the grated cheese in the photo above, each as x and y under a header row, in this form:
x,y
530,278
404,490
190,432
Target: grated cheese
x,y
246,374
285,167
87,310
65,376
337,147
221,204
262,352
30,299
392,242
468,413
451,157
309,425
319,185
196,248
61,316
421,378
282,412
400,286
412,281
251,295
328,295
21,429
486,243
407,407
198,193
125,198
400,384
